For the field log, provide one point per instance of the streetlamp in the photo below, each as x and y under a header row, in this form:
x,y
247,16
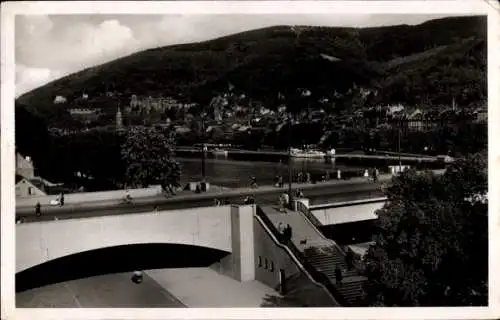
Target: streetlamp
x,y
399,144
290,195
203,152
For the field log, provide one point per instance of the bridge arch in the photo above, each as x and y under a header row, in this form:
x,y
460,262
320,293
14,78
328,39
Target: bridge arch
x,y
116,259
37,243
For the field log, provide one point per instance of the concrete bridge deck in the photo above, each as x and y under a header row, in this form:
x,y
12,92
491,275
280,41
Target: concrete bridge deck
x,y
154,193
357,188
322,192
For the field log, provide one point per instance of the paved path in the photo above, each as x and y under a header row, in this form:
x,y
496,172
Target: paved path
x,y
205,288
302,229
106,291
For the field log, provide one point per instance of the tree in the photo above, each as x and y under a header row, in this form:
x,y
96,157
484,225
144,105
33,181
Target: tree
x,y
432,245
147,153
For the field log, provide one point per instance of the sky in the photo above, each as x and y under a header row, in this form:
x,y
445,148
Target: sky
x,y
51,46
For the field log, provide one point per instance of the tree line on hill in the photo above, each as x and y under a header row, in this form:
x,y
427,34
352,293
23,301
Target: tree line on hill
x,y
428,64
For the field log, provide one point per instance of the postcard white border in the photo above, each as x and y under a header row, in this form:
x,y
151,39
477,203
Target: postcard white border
x,y
460,7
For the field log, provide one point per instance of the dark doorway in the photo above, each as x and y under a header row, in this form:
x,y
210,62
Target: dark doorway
x,y
282,281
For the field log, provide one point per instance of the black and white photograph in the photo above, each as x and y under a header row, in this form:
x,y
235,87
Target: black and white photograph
x,y
314,159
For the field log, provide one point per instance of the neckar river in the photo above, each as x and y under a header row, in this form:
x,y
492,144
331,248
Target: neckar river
x,y
236,171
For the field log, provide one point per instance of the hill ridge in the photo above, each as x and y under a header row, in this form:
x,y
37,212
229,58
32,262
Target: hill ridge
x,y
265,61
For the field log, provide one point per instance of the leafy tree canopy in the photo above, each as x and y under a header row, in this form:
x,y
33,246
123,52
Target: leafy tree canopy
x,y
432,244
147,153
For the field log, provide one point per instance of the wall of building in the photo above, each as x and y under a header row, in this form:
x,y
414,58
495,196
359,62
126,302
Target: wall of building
x,y
24,167
39,242
25,189
270,258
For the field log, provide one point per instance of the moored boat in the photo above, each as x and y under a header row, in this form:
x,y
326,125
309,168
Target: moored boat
x,y
298,153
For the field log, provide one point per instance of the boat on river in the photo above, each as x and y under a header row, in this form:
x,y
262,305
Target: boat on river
x,y
299,153
311,153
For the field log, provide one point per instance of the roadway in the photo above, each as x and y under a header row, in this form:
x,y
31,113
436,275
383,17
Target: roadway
x,y
104,291
355,189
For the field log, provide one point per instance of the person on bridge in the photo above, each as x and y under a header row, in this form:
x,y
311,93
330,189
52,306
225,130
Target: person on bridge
x,y
280,182
217,202
128,197
299,193
308,177
253,182
281,228
288,231
61,199
250,200
286,199
300,177
38,209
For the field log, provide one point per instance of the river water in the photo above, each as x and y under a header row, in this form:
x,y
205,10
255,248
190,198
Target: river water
x,y
237,173
235,170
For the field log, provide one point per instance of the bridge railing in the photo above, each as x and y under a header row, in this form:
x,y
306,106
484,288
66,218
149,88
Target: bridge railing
x,y
313,272
311,218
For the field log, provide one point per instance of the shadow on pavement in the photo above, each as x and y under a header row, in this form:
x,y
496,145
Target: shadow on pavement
x,y
274,301
115,260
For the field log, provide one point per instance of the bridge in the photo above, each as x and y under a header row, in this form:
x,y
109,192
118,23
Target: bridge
x,y
227,229
247,237
91,204
243,238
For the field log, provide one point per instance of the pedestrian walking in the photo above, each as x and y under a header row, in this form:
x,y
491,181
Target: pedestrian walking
x,y
289,231
349,259
286,199
281,203
281,228
338,274
38,209
286,233
366,174
61,199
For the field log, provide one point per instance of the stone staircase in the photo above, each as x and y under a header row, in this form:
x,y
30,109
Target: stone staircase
x,y
320,252
326,261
